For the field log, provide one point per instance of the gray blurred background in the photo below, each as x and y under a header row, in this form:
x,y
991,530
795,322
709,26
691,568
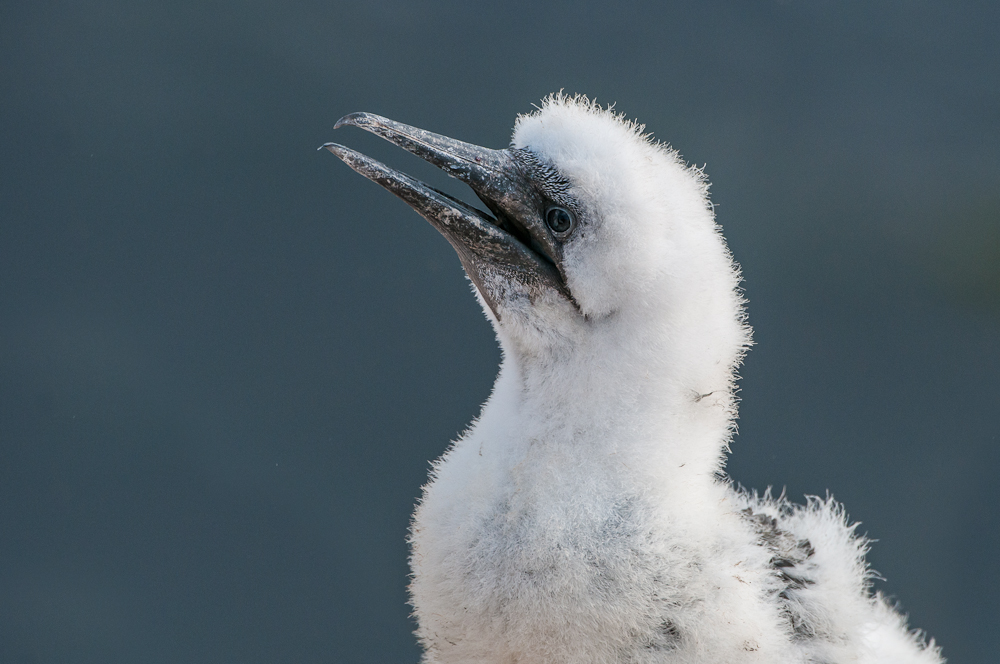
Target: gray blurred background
x,y
226,359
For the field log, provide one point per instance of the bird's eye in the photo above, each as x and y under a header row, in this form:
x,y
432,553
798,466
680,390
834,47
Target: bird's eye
x,y
560,220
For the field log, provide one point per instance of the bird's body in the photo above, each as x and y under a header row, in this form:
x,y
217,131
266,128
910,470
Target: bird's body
x,y
584,517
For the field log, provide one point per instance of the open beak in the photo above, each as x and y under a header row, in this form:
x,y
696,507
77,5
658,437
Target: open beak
x,y
490,247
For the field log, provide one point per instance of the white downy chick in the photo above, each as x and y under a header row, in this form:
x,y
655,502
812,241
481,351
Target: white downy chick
x,y
584,516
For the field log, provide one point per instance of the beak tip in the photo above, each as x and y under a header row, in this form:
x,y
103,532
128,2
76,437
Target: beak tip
x,y
355,120
349,119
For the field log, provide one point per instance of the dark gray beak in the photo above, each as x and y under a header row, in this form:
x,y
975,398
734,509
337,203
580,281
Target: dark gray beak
x,y
489,247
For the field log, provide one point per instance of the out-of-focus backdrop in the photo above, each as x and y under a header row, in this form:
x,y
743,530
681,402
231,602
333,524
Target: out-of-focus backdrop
x,y
226,359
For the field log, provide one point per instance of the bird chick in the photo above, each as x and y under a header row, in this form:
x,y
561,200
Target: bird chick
x,y
584,517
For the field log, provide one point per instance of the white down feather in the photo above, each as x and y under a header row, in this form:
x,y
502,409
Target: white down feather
x,y
583,517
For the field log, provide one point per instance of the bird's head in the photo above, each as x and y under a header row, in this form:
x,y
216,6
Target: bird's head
x,y
590,225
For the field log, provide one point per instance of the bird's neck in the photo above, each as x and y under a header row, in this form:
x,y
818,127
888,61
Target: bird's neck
x,y
601,397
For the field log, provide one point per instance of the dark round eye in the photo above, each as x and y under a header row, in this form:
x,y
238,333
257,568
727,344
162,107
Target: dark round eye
x,y
560,220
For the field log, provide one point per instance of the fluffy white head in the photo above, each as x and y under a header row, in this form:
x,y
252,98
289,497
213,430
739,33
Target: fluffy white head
x,y
636,196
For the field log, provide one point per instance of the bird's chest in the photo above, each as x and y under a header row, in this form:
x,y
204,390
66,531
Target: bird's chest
x,y
537,545
535,560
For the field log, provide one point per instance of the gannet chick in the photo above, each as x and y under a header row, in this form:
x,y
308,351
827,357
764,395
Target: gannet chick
x,y
584,516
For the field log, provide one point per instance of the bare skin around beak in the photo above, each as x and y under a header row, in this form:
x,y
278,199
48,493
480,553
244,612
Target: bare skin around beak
x,y
485,245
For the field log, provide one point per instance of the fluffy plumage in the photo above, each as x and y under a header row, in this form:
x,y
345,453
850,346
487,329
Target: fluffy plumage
x,y
584,516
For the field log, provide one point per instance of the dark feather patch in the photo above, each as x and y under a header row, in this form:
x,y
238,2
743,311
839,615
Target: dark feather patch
x,y
787,556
